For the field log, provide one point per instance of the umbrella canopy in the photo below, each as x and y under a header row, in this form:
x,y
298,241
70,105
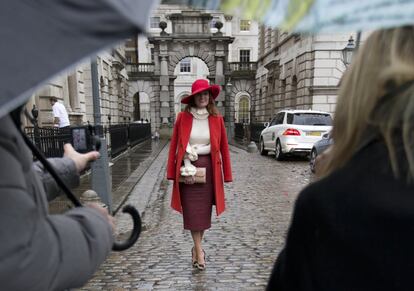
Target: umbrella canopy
x,y
328,16
40,38
316,16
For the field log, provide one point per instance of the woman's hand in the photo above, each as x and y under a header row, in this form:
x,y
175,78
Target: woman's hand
x,y
81,160
189,180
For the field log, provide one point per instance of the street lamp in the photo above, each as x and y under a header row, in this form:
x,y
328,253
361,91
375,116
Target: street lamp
x,y
229,86
348,51
35,112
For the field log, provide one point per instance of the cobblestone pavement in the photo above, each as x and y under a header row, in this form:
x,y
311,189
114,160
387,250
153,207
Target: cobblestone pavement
x,y
241,246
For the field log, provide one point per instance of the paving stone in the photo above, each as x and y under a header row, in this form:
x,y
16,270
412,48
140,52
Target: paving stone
x,y
241,245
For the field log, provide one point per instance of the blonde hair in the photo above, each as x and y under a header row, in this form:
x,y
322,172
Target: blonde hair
x,y
370,96
211,107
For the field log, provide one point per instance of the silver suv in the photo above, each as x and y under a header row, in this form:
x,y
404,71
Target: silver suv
x,y
294,132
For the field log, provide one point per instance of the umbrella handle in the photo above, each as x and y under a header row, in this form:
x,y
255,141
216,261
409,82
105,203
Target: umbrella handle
x,y
136,230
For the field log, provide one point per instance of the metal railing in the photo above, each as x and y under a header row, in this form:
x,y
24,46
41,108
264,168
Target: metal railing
x,y
248,132
119,138
138,132
243,66
255,130
49,140
239,131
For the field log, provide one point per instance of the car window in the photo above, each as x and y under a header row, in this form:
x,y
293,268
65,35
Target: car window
x,y
289,118
309,119
280,117
273,121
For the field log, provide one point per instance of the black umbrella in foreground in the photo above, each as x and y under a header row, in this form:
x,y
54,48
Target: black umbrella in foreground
x,y
40,38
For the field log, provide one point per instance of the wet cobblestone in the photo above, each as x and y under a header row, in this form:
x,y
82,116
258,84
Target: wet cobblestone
x,y
241,246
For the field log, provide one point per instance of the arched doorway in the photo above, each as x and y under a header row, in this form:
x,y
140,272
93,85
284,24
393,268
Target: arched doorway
x,y
141,102
187,71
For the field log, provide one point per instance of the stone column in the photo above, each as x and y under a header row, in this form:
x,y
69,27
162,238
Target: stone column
x,y
73,91
165,114
164,91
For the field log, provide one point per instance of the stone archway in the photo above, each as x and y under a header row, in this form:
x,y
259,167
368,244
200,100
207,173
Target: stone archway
x,y
191,37
145,90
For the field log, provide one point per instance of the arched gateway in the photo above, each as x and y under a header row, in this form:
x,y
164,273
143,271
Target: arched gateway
x,y
190,37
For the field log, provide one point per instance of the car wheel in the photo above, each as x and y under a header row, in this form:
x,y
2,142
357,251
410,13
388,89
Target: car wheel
x,y
263,152
278,151
312,160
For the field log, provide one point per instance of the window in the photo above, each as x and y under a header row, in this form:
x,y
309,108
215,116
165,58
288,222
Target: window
x,y
244,56
244,110
152,55
309,119
244,25
280,117
155,22
185,65
213,22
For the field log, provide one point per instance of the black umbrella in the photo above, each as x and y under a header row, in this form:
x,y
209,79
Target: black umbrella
x,y
40,38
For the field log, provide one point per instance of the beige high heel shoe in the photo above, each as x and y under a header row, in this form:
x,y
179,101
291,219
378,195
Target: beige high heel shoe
x,y
202,267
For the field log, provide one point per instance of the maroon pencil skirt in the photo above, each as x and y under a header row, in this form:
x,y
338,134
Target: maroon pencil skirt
x,y
197,199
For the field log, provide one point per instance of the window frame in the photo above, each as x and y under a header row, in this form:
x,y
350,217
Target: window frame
x,y
185,65
243,26
243,56
153,23
243,112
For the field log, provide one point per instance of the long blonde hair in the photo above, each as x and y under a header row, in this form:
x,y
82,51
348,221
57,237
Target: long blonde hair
x,y
381,66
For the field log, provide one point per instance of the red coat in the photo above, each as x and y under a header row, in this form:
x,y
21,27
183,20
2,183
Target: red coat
x,y
220,163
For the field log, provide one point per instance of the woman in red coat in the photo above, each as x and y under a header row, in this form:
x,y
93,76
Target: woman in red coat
x,y
199,140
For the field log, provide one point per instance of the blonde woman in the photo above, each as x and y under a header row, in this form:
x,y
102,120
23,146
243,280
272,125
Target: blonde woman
x,y
199,140
354,228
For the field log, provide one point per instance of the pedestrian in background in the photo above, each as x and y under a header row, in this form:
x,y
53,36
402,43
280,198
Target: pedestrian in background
x,y
61,120
353,229
199,140
60,115
40,251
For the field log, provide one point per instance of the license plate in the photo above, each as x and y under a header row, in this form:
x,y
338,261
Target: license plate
x,y
314,133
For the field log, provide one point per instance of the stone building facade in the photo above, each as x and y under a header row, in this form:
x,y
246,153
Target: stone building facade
x,y
74,89
297,72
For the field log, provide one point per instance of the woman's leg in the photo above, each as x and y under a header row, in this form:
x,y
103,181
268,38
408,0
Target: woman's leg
x,y
194,235
197,237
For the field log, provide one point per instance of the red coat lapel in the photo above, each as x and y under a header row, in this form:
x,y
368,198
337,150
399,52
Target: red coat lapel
x,y
186,126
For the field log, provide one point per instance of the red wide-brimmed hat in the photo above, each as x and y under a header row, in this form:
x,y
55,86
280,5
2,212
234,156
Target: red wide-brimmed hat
x,y
200,86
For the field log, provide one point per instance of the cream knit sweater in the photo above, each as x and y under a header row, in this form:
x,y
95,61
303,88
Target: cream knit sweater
x,y
199,143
